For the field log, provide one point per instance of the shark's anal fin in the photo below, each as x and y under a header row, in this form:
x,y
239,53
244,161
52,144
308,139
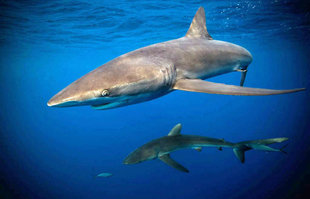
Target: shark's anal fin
x,y
198,85
198,27
176,130
168,160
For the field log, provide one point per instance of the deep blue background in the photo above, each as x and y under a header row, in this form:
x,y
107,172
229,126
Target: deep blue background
x,y
55,153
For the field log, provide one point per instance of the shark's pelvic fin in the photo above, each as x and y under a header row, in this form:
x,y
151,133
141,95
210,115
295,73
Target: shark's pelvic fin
x,y
198,27
176,130
168,160
198,85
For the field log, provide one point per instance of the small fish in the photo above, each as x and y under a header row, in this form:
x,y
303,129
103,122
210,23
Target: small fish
x,y
104,175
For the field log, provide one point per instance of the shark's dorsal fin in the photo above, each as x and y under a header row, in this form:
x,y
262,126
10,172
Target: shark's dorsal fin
x,y
176,130
198,27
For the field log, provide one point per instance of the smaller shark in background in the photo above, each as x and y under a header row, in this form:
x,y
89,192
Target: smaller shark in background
x,y
162,147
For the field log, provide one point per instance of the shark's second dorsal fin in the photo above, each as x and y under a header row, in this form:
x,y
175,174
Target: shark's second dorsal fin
x,y
198,27
176,130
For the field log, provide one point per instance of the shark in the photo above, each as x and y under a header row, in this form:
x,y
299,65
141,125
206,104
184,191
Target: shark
x,y
156,70
162,147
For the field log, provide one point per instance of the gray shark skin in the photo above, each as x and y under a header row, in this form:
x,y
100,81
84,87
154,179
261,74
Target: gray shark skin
x,y
162,147
156,70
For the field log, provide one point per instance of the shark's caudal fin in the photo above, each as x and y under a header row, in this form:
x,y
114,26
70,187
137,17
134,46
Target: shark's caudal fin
x,y
198,85
242,147
198,27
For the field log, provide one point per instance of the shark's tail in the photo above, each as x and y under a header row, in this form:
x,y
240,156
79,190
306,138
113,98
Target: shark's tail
x,y
241,147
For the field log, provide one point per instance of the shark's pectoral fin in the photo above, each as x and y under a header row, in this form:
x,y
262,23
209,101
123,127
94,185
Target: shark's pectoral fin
x,y
168,160
198,85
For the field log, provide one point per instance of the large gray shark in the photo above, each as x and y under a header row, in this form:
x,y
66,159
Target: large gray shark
x,y
156,70
162,147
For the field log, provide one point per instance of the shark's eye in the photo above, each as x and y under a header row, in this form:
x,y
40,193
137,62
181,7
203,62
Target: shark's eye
x,y
105,92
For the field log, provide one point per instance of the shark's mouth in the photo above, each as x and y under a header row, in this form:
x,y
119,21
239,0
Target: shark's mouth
x,y
104,104
120,101
108,105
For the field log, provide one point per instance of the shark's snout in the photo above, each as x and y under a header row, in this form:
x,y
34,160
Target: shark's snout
x,y
66,97
60,101
138,156
73,95
129,160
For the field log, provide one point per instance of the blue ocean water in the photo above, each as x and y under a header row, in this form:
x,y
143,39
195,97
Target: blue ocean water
x,y
57,152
